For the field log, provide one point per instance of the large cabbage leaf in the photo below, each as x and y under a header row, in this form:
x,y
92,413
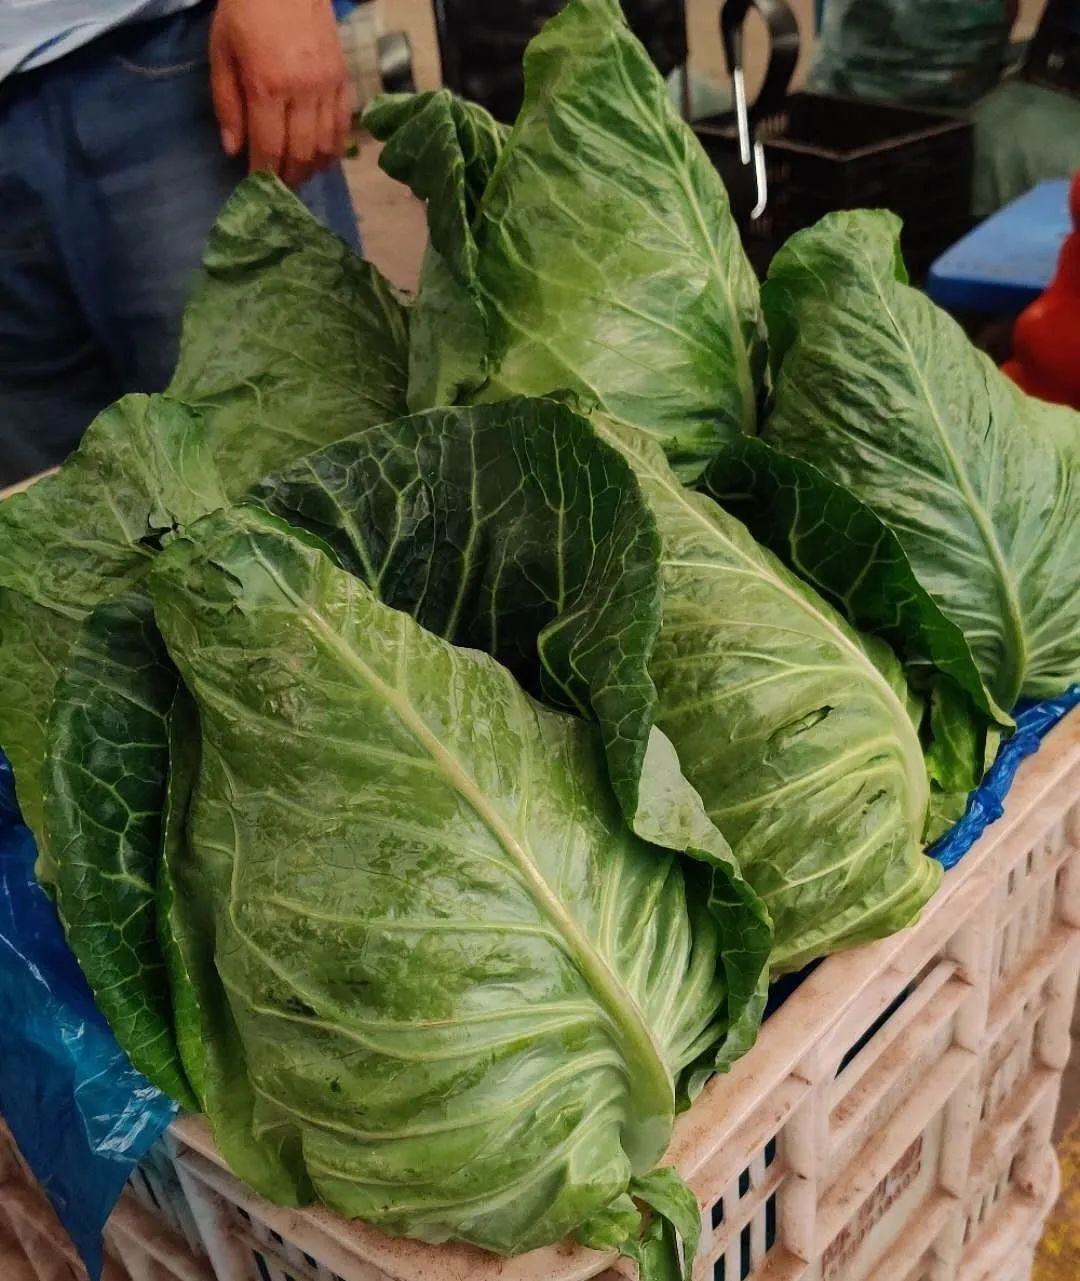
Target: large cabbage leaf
x,y
451,993
883,394
512,528
90,529
833,540
509,528
840,546
445,150
271,379
606,258
290,339
799,734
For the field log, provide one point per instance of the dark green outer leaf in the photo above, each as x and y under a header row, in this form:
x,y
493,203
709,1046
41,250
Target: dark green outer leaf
x,y
663,1241
512,529
448,339
90,530
839,546
885,395
800,735
466,966
34,643
509,528
677,1216
956,755
290,339
104,788
72,540
607,258
181,932
274,377
444,150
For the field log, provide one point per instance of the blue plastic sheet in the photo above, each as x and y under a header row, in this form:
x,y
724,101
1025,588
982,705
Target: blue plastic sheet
x,y
986,803
82,1116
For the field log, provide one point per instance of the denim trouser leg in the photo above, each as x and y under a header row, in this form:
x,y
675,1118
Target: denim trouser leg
x,y
111,175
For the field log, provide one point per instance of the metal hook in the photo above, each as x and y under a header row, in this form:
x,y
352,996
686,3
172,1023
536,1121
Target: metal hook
x,y
783,53
751,152
762,182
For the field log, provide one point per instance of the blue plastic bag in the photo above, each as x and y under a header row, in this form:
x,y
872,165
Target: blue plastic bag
x,y
82,1116
986,804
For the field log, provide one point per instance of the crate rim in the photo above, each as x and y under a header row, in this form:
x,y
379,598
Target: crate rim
x,y
943,123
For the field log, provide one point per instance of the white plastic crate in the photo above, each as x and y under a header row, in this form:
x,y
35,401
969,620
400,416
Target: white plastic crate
x,y
893,1122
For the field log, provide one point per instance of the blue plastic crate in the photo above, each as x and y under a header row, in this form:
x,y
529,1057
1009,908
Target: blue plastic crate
x,y
1008,260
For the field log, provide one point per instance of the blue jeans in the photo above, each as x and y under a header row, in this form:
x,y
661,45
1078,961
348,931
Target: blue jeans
x,y
111,175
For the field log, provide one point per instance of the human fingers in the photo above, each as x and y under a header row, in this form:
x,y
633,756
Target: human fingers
x,y
301,140
266,130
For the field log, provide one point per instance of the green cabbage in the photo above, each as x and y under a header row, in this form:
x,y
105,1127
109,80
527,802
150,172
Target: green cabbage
x,y
450,992
883,394
593,249
800,735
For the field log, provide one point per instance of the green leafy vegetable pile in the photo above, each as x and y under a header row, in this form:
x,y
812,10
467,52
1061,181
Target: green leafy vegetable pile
x,y
429,781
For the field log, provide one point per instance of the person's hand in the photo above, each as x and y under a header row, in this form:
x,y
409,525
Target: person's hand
x,y
279,83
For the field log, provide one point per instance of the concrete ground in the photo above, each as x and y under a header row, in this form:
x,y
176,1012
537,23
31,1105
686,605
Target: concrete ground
x,y
1058,1257
393,224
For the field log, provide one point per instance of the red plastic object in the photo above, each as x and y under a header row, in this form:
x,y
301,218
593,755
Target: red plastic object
x,y
1046,338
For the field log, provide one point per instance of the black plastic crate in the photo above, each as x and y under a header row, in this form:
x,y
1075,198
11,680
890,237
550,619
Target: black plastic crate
x,y
824,153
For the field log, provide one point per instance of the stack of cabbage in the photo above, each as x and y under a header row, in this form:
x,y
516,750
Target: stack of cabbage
x,y
432,812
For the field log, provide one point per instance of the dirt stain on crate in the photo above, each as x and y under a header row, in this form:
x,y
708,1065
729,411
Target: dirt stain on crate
x,y
891,1188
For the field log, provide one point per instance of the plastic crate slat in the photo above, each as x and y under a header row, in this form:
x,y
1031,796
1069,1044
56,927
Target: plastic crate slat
x,y
1062,940
135,1229
912,1024
1011,1230
997,1143
894,1264
897,1070
747,1211
337,1244
883,1150
714,1167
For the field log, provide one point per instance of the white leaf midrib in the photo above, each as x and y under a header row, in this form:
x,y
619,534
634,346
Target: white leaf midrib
x,y
1016,658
